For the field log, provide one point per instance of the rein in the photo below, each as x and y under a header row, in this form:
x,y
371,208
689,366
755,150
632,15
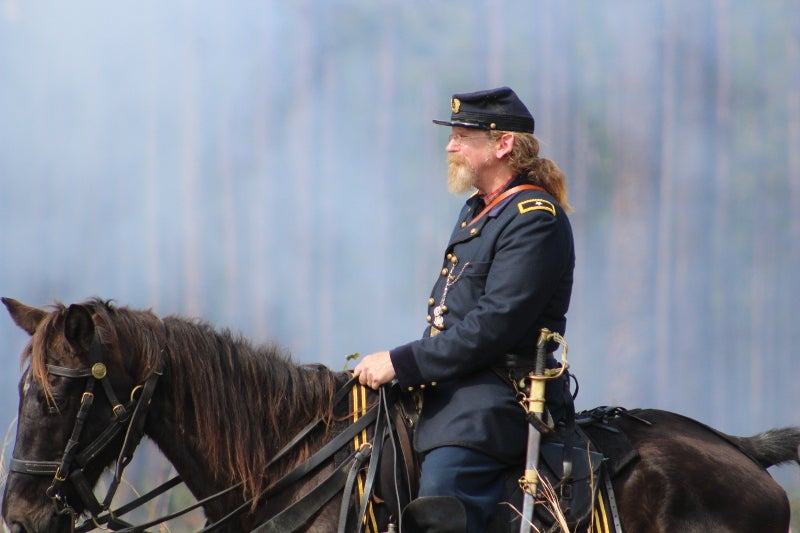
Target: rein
x,y
293,516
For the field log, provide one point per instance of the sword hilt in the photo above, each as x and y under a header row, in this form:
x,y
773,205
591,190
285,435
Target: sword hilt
x,y
533,403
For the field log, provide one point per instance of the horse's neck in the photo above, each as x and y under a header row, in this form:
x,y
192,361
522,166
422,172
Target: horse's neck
x,y
182,449
181,446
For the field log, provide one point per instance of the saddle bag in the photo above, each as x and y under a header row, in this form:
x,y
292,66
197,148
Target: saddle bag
x,y
577,493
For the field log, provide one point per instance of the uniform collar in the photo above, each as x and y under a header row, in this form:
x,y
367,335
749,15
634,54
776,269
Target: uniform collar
x,y
487,198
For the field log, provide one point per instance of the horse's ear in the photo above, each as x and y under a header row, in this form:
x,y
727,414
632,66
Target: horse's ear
x,y
79,326
26,317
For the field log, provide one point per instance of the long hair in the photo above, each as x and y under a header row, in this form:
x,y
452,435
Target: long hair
x,y
524,159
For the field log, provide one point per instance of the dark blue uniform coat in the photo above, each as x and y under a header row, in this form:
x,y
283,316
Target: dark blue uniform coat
x,y
506,276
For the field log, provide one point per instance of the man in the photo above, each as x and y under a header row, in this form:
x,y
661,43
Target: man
x,y
506,273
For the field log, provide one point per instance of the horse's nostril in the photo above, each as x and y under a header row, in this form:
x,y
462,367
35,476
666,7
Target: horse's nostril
x,y
16,527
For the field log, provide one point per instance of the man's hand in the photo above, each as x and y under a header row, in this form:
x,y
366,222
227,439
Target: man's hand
x,y
375,370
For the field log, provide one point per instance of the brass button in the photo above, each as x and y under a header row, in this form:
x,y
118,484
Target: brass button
x,y
464,224
431,301
422,386
444,309
473,231
445,272
454,259
428,318
433,383
411,389
448,257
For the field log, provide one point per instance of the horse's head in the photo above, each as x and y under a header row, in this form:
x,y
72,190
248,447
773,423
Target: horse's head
x,y
74,390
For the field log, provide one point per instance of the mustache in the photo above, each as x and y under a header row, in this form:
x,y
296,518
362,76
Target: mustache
x,y
456,159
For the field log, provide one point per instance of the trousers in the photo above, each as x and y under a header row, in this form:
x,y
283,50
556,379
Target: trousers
x,y
476,479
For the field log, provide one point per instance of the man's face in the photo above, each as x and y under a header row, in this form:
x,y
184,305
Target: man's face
x,y
468,154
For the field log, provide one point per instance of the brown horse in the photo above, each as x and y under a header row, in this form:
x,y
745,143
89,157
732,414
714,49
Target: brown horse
x,y
224,413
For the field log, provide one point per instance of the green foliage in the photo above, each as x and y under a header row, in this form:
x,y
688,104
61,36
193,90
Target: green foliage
x,y
351,357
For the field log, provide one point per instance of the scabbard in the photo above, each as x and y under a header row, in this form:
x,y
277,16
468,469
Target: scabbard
x,y
534,405
530,478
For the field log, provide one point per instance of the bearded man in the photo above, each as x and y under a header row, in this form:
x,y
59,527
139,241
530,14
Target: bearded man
x,y
506,274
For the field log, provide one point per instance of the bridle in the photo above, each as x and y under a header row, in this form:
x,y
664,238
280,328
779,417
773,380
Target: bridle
x,y
128,417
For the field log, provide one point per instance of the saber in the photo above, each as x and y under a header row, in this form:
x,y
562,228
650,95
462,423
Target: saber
x,y
534,406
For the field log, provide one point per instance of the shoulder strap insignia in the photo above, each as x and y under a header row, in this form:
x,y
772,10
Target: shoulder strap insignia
x,y
536,204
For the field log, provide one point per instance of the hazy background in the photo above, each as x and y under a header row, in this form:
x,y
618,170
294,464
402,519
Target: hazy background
x,y
272,167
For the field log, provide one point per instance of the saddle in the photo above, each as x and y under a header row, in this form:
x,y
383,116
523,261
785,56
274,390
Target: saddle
x,y
591,455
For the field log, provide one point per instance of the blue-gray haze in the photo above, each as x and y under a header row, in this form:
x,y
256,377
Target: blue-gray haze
x,y
271,167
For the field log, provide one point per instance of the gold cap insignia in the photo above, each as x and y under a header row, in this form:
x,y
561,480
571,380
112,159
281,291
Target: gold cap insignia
x,y
455,105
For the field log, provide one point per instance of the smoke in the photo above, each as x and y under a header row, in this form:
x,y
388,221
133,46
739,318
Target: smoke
x,y
271,167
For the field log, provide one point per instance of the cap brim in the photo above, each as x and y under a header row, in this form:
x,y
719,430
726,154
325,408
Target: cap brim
x,y
459,124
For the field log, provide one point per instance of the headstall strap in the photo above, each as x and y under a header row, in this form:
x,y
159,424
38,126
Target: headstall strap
x,y
69,451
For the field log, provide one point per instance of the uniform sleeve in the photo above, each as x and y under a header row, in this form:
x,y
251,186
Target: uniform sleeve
x,y
531,256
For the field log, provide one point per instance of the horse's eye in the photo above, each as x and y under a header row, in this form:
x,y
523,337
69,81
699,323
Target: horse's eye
x,y
53,405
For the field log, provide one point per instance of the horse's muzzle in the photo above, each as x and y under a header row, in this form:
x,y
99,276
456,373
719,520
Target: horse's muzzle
x,y
21,518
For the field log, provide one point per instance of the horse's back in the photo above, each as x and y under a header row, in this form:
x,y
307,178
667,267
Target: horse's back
x,y
690,478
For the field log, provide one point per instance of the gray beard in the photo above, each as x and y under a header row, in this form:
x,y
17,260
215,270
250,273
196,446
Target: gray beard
x,y
460,178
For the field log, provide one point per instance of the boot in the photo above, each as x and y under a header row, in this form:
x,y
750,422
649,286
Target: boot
x,y
434,514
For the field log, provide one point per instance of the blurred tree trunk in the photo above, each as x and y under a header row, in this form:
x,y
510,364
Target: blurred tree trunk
x,y
387,179
301,128
190,176
631,244
687,198
789,309
325,187
261,215
228,213
758,340
495,66
558,84
723,305
666,211
154,261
